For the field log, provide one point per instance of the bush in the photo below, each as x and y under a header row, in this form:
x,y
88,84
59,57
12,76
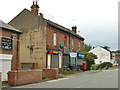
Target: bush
x,y
44,76
105,65
95,66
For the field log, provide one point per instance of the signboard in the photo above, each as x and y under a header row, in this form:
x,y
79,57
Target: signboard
x,y
80,55
55,52
73,54
13,36
6,43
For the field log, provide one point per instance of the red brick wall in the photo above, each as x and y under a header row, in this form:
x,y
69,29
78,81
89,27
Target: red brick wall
x,y
52,73
0,80
60,39
24,77
8,34
35,65
117,57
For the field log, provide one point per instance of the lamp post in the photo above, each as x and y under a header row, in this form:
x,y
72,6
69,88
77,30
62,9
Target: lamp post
x,y
100,65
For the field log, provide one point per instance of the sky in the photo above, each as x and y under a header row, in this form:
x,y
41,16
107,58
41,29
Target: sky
x,y
96,20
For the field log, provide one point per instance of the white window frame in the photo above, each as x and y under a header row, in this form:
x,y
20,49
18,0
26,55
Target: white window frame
x,y
55,39
79,45
72,43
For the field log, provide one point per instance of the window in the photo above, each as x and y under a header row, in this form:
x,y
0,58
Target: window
x,y
72,43
79,45
55,43
65,41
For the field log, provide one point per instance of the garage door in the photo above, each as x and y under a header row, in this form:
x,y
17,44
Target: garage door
x,y
6,66
66,60
54,61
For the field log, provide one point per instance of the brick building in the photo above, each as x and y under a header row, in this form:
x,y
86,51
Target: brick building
x,y
45,42
9,49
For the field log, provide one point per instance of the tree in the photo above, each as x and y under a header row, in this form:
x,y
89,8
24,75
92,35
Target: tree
x,y
87,47
89,57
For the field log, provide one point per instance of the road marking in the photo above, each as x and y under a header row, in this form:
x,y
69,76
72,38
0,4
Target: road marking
x,y
58,80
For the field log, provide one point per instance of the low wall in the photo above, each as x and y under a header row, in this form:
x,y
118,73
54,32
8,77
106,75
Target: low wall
x,y
52,73
0,80
24,77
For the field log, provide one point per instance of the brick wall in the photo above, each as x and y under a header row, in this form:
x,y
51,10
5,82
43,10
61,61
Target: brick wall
x,y
33,39
24,77
0,80
7,34
60,39
52,73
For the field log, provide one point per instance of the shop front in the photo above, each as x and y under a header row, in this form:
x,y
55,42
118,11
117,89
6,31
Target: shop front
x,y
73,58
81,63
54,59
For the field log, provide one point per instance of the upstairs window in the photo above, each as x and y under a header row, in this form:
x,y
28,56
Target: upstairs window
x,y
55,39
72,43
79,45
65,41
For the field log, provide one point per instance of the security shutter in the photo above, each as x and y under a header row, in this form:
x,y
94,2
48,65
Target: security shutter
x,y
66,60
55,60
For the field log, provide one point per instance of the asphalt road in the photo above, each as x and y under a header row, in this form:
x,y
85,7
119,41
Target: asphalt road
x,y
89,79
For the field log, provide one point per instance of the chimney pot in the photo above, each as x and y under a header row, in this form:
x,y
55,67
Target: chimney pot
x,y
74,29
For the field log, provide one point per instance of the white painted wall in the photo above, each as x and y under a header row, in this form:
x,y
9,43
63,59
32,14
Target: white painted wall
x,y
102,54
60,60
5,65
48,61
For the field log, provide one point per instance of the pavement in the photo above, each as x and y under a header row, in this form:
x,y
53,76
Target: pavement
x,y
88,79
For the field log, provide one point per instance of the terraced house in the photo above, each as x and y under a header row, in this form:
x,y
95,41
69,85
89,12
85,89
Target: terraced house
x,y
46,44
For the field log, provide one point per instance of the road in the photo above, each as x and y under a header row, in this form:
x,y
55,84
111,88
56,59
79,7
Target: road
x,y
88,79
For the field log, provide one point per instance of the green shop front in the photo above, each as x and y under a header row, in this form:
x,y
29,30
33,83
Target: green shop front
x,y
73,58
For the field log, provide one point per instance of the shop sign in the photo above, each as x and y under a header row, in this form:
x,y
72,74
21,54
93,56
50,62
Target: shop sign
x,y
55,52
80,55
13,36
73,54
6,43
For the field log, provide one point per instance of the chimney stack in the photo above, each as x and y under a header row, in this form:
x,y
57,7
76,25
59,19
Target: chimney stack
x,y
74,29
35,8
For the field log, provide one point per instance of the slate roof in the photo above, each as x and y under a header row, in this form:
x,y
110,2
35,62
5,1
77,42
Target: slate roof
x,y
59,27
9,27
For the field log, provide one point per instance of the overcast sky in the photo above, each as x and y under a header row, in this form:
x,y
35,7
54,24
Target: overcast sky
x,y
96,20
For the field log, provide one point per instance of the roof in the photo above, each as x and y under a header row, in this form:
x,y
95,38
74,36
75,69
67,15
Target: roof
x,y
7,26
103,48
59,27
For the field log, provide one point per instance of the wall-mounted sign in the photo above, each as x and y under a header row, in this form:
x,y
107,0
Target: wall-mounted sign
x,y
6,43
13,36
72,54
80,55
61,46
55,52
